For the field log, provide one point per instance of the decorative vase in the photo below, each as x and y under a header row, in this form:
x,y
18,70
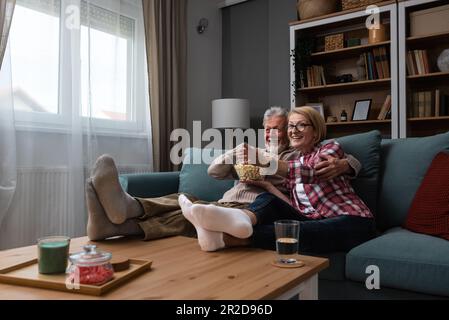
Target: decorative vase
x,y
443,61
378,35
314,8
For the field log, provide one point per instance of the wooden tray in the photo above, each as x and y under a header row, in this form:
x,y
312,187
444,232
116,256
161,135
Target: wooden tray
x,y
27,274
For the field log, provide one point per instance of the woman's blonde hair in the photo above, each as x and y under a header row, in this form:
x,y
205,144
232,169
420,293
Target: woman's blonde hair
x,y
315,119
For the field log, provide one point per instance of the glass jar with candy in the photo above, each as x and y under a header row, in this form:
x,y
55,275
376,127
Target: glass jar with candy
x,y
91,266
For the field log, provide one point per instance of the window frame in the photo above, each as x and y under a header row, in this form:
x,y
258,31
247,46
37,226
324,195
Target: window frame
x,y
70,82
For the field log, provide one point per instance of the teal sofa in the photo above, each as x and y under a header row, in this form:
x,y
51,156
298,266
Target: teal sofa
x,y
411,265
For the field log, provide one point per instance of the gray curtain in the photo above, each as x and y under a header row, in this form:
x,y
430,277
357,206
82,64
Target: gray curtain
x,y
8,172
166,42
6,11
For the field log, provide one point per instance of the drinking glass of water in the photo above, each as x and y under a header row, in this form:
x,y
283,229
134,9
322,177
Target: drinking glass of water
x,y
287,234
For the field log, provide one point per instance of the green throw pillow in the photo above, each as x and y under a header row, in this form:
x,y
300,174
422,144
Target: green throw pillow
x,y
194,179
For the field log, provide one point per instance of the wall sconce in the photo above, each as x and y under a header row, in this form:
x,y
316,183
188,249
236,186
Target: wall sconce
x,y
202,25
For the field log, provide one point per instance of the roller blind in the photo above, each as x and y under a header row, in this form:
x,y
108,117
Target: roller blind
x,y
91,15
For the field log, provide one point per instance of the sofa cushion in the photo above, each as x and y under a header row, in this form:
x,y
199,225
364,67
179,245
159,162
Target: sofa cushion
x,y
366,148
150,185
406,260
194,179
429,212
404,163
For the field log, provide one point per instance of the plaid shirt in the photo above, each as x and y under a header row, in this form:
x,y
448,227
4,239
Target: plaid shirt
x,y
327,199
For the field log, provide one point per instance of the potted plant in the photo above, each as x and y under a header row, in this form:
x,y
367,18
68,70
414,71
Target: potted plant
x,y
301,60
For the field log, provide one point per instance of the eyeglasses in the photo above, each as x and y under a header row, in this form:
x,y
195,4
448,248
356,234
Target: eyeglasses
x,y
299,126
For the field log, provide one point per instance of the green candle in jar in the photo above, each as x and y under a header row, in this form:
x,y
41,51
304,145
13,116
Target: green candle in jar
x,y
53,254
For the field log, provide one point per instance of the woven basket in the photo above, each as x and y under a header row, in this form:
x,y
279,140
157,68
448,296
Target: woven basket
x,y
334,42
351,4
308,9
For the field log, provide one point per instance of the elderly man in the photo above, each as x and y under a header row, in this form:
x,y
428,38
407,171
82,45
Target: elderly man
x,y
113,212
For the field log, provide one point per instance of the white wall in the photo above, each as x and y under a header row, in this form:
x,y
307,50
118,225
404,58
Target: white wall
x,y
203,62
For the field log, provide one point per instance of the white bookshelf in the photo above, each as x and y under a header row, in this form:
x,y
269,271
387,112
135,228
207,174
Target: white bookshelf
x,y
342,22
408,125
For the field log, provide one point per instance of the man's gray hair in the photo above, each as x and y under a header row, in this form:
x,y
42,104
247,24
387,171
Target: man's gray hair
x,y
275,111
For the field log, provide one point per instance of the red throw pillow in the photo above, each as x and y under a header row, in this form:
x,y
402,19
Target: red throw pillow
x,y
429,213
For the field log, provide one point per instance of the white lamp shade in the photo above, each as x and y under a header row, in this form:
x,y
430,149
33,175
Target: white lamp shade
x,y
230,113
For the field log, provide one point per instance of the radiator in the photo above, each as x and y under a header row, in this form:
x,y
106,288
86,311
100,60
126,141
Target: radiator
x,y
47,201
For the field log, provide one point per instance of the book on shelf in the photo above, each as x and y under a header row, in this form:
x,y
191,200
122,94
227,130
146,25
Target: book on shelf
x,y
428,112
315,77
437,103
385,109
441,104
376,64
385,62
429,104
417,62
422,104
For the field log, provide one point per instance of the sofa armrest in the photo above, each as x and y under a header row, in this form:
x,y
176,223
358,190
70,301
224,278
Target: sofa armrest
x,y
150,185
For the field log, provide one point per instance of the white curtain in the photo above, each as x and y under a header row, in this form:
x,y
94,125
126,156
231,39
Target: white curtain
x,y
77,82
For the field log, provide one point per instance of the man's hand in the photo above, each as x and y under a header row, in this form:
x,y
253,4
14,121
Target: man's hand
x,y
331,168
248,154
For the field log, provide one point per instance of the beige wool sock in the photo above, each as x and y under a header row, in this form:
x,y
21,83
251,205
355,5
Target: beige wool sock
x,y
98,225
118,205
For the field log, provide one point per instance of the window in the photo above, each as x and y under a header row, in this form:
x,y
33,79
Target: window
x,y
47,73
109,73
35,57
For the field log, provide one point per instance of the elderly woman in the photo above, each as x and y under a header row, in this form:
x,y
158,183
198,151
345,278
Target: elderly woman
x,y
332,217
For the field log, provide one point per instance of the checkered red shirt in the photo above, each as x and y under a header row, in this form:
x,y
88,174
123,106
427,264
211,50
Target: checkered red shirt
x,y
327,198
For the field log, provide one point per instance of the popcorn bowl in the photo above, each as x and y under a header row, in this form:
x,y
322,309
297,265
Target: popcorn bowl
x,y
248,172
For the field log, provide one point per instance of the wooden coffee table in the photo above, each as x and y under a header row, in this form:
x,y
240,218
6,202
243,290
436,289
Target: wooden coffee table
x,y
181,271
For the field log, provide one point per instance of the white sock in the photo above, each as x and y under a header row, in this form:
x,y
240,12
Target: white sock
x,y
208,240
228,220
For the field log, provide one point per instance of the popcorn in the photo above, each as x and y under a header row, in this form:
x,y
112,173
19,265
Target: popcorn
x,y
248,172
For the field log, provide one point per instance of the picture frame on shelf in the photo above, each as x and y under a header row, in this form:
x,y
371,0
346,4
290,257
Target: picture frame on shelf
x,y
361,110
318,107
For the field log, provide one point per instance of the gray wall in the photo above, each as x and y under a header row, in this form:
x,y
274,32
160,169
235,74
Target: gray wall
x,y
256,53
203,61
